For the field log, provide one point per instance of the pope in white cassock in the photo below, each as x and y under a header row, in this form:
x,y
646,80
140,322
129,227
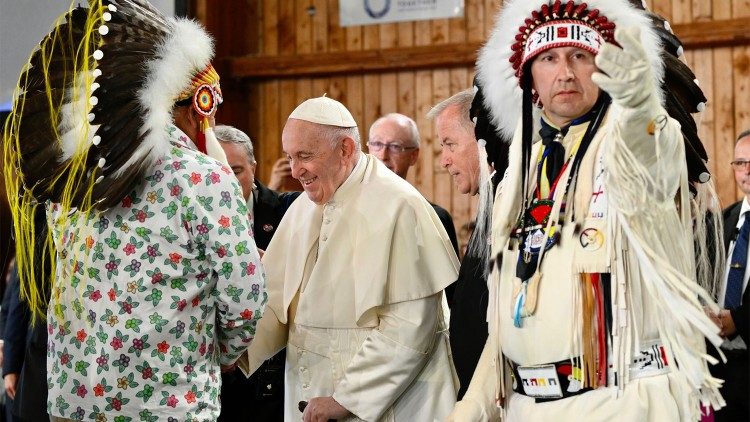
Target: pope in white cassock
x,y
355,275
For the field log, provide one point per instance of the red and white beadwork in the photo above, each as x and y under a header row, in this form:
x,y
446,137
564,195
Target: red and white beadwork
x,y
204,100
560,26
563,33
504,59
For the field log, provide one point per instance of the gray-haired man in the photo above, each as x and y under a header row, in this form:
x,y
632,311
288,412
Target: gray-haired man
x,y
394,140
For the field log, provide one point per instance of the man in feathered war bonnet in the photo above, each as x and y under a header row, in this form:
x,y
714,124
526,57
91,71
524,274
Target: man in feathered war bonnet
x,y
157,279
594,308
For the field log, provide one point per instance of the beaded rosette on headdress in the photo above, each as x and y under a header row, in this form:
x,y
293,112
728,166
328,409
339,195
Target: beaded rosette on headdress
x,y
204,93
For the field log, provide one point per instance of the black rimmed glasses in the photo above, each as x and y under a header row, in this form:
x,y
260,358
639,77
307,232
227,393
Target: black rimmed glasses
x,y
392,148
740,164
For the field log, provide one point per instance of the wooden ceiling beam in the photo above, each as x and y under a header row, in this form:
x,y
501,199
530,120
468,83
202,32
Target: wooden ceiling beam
x,y
709,34
353,62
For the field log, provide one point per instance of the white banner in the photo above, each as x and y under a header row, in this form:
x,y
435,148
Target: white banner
x,y
370,12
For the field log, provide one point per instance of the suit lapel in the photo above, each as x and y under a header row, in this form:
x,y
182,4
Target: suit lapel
x,y
730,223
266,215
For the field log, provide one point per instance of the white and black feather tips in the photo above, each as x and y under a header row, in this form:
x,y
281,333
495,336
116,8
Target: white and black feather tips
x,y
115,111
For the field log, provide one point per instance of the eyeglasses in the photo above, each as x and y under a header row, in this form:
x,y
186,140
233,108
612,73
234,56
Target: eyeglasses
x,y
740,164
392,148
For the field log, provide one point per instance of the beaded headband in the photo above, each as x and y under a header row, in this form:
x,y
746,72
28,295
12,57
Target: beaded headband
x,y
560,26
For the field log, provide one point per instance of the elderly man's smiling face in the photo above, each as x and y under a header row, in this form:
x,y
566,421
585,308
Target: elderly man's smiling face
x,y
562,78
320,166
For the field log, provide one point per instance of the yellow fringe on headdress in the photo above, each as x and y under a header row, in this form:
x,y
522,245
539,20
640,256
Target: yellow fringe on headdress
x,y
78,80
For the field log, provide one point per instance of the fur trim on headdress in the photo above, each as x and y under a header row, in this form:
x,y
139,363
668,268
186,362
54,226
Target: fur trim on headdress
x,y
187,50
498,77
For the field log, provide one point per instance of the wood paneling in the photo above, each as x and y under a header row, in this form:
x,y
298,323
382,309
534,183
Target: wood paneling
x,y
701,10
724,133
357,61
454,53
682,11
290,50
721,33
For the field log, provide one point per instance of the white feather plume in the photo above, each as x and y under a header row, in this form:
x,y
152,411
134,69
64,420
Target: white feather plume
x,y
187,50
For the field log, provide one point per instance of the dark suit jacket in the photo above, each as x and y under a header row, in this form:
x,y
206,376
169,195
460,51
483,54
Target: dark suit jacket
x,y
28,353
468,321
735,371
739,315
30,403
16,321
447,221
260,397
5,297
269,207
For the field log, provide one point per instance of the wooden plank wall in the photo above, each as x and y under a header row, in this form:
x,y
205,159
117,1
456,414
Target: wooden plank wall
x,y
724,75
272,28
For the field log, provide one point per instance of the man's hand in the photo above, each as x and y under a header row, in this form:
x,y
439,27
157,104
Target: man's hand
x,y
11,381
321,409
281,170
713,316
728,329
626,71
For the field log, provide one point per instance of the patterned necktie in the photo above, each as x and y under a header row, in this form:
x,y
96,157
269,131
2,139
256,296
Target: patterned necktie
x,y
733,297
554,151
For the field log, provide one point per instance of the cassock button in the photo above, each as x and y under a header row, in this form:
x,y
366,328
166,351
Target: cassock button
x,y
324,238
267,227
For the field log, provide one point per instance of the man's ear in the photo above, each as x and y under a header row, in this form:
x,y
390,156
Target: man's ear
x,y
414,157
348,147
180,117
194,117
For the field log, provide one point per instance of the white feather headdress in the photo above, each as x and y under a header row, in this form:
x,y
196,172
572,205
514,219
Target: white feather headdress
x,y
495,71
96,96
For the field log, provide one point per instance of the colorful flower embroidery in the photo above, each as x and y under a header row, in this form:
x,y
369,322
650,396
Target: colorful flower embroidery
x,y
134,333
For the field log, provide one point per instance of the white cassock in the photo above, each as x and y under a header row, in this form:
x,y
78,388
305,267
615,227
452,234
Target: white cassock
x,y
356,295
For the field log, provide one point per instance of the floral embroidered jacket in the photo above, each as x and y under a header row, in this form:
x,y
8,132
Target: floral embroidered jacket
x,y
153,295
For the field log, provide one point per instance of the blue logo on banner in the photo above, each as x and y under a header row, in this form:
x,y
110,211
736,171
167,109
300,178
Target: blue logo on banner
x,y
377,14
